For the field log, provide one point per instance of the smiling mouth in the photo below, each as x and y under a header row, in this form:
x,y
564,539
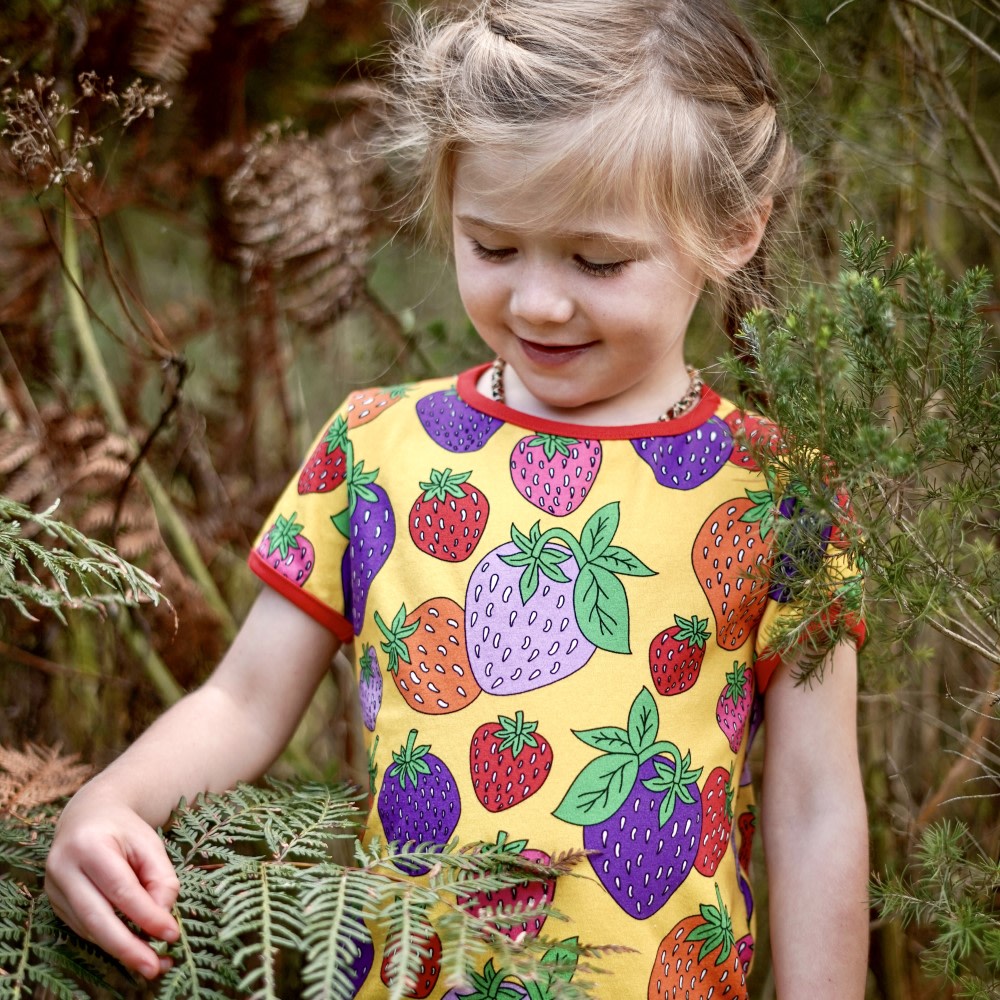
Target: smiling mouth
x,y
552,351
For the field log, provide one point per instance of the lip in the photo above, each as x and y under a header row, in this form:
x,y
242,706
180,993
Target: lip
x,y
552,354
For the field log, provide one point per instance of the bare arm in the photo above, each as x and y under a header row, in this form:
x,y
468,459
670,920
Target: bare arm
x,y
816,835
106,855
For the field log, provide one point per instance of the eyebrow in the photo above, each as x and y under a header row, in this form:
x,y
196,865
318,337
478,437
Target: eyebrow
x,y
583,235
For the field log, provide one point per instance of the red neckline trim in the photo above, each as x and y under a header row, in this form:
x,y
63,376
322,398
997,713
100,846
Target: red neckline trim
x,y
467,391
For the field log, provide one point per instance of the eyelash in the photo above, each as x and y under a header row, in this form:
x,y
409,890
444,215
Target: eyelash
x,y
609,270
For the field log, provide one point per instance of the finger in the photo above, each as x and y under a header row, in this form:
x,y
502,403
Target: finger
x,y
92,917
116,880
155,872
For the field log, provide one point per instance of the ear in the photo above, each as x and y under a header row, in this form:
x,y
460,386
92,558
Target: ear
x,y
743,242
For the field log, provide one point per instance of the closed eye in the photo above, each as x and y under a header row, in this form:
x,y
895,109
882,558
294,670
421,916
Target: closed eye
x,y
491,253
609,270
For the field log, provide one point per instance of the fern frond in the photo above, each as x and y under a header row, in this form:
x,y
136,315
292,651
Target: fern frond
x,y
337,943
408,941
203,966
310,816
261,912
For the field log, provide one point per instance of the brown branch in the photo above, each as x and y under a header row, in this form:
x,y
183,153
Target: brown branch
x,y
970,36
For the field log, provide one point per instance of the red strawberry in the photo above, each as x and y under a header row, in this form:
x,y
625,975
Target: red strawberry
x,y
735,703
717,823
508,761
327,467
698,959
675,655
750,433
421,984
427,657
448,520
727,557
367,404
288,552
746,825
523,898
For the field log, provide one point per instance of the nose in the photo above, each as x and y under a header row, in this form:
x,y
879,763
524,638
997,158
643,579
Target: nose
x,y
538,297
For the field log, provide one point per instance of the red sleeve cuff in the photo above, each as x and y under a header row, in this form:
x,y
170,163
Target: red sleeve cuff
x,y
313,607
766,664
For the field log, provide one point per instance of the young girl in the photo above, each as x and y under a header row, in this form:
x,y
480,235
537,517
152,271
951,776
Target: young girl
x,y
544,564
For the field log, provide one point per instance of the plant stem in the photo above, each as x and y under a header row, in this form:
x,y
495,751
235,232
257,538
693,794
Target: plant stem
x,y
166,512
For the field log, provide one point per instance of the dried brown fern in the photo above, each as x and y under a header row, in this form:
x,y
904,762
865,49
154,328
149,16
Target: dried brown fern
x,y
287,13
37,776
170,32
301,214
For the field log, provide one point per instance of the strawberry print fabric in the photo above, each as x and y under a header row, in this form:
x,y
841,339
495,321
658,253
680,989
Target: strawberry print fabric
x,y
560,644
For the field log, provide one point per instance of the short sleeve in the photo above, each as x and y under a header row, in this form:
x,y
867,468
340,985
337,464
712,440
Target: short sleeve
x,y
300,550
812,553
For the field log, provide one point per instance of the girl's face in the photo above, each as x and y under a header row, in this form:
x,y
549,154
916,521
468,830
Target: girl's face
x,y
590,317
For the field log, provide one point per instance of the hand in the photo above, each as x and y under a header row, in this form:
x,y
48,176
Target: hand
x,y
105,861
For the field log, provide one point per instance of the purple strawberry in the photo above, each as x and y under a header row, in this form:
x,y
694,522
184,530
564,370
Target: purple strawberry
x,y
747,893
684,461
419,800
735,704
537,607
361,955
367,522
516,646
370,687
288,552
453,424
555,473
640,809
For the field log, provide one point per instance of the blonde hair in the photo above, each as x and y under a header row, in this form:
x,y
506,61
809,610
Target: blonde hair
x,y
669,101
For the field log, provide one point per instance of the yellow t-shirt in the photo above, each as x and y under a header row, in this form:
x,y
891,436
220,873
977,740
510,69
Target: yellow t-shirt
x,y
560,645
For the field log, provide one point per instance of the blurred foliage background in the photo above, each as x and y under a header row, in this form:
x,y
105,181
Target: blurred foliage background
x,y
195,268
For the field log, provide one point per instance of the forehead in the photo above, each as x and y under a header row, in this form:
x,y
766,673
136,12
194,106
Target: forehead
x,y
530,187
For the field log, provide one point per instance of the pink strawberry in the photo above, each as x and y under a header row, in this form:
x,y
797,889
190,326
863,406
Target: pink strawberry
x,y
676,654
523,898
447,521
555,473
717,822
735,703
744,952
751,432
508,761
285,550
326,468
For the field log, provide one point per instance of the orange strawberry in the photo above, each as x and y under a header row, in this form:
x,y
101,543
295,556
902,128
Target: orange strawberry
x,y
712,971
437,678
367,404
727,557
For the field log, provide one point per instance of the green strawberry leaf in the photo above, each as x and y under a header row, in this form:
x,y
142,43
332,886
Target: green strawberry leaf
x,y
610,739
643,721
600,530
342,521
762,512
716,932
601,608
549,559
623,562
599,790
336,436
